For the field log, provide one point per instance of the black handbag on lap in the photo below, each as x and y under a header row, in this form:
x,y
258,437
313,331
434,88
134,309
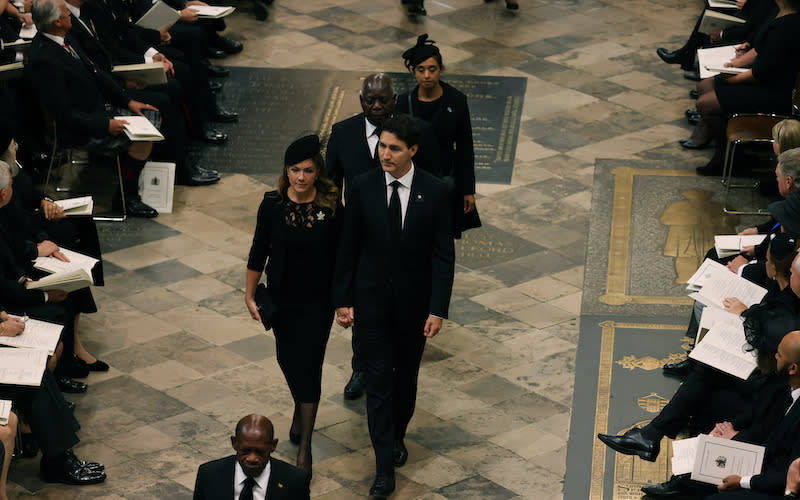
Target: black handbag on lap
x,y
266,307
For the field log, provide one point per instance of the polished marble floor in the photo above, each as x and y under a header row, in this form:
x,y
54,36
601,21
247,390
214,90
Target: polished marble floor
x,y
496,385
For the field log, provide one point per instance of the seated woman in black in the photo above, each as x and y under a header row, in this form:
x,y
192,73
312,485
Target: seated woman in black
x,y
766,87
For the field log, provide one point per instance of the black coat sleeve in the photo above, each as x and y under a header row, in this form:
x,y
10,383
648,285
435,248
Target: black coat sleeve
x,y
260,249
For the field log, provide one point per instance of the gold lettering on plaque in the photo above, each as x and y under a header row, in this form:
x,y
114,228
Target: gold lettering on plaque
x,y
692,225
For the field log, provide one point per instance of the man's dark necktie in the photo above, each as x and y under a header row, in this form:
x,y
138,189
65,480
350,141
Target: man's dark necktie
x,y
377,133
395,213
247,491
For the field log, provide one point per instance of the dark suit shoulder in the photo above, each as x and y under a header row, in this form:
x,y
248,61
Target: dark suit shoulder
x,y
348,123
220,464
451,93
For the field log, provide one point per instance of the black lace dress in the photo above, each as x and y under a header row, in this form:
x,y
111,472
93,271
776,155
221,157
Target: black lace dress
x,y
300,240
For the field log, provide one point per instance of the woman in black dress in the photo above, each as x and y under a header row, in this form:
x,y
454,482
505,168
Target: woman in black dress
x,y
297,229
766,87
445,108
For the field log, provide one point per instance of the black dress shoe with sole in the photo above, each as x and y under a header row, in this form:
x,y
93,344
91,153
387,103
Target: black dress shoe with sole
x,y
417,9
693,94
68,471
194,177
692,75
229,45
671,57
213,136
135,207
355,386
70,386
213,53
633,442
690,144
382,487
679,369
223,115
218,71
399,453
675,487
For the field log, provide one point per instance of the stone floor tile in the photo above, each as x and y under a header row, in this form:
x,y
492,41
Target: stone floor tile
x,y
165,375
542,315
546,289
476,487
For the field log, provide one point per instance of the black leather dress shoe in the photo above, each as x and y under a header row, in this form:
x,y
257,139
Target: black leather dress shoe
x,y
692,75
355,386
671,57
691,112
690,144
70,386
223,115
76,462
693,94
693,120
135,207
63,469
213,136
261,11
207,171
194,177
633,442
218,71
213,53
399,453
229,45
676,486
679,369
215,86
382,487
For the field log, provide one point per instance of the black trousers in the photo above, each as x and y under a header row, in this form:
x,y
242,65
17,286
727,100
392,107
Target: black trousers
x,y
391,353
698,388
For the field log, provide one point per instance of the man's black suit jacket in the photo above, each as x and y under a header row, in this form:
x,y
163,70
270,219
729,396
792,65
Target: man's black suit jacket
x,y
215,481
372,271
72,90
348,153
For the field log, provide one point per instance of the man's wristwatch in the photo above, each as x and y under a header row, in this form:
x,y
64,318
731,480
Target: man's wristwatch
x,y
789,494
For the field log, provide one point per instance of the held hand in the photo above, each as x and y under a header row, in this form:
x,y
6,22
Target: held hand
x,y
168,67
724,430
58,254
56,296
164,35
46,247
742,49
26,19
137,107
432,326
749,231
749,250
250,302
730,483
715,35
469,203
51,210
197,2
12,327
116,127
189,15
734,265
345,317
793,476
733,305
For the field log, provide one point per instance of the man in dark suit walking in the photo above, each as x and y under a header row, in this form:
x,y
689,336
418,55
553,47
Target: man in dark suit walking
x,y
353,150
251,474
394,276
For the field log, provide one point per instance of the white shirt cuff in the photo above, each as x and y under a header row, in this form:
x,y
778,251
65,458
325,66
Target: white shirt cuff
x,y
148,56
745,482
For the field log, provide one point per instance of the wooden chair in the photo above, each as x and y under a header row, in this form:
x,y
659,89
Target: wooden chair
x,y
750,128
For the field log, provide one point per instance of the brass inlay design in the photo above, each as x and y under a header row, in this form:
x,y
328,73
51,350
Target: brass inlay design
x,y
688,343
331,114
602,406
649,363
619,240
692,225
652,403
631,472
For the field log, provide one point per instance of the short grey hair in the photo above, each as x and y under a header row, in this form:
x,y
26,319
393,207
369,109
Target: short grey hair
x,y
374,79
5,174
45,13
789,165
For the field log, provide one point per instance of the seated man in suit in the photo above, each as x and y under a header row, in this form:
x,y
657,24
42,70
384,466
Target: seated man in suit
x,y
75,94
251,474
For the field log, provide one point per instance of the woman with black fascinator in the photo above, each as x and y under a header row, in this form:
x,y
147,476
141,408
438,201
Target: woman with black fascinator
x,y
446,109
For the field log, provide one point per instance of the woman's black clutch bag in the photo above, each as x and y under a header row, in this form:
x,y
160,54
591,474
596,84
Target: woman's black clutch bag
x,y
266,307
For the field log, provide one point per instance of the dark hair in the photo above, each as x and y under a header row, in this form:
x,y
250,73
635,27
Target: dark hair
x,y
404,127
420,52
782,251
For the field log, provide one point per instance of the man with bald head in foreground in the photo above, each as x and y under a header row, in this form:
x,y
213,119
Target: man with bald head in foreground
x,y
251,474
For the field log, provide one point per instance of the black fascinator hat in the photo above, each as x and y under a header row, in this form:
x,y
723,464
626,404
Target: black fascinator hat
x,y
424,49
